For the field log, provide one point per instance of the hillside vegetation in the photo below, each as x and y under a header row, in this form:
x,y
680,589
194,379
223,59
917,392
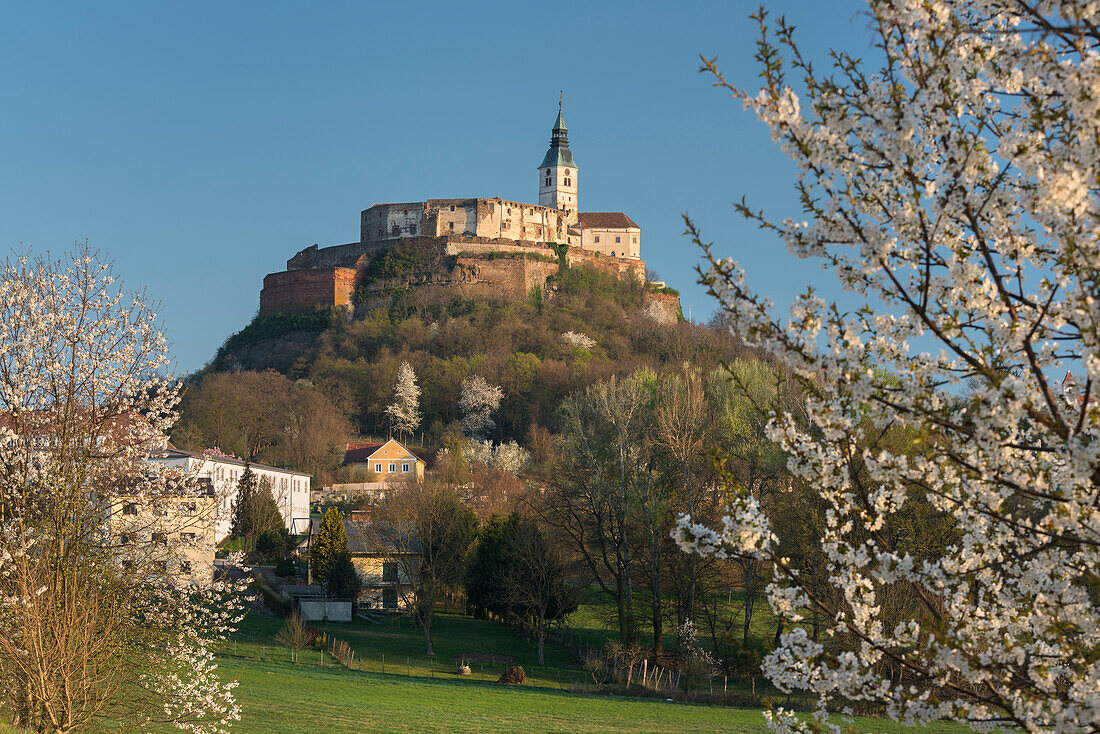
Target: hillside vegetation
x,y
447,338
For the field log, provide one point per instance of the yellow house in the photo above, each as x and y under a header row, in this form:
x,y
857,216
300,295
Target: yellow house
x,y
385,572
391,461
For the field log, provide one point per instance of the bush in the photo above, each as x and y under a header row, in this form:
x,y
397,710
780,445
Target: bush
x,y
513,677
286,567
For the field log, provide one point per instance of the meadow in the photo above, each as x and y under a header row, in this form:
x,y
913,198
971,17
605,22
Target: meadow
x,y
417,693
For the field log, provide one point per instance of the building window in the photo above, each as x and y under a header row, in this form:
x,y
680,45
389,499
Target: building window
x,y
406,212
188,537
389,598
538,232
393,468
452,207
396,230
404,468
491,207
129,508
452,226
389,572
597,238
616,239
379,231
568,182
160,538
377,468
635,240
412,229
548,172
547,182
126,538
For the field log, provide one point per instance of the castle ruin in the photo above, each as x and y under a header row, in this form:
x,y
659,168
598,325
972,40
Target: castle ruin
x,y
496,247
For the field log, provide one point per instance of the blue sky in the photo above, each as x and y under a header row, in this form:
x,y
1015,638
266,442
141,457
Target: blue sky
x,y
202,144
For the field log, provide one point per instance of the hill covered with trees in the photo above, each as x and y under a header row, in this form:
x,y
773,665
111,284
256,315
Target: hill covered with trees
x,y
333,375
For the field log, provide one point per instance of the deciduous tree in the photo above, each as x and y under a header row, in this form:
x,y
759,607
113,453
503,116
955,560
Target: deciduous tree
x,y
956,187
404,411
95,630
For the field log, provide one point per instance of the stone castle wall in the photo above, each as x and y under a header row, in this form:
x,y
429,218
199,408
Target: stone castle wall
x,y
483,268
302,291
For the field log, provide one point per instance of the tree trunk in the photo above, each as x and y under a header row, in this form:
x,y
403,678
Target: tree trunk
x,y
750,574
655,595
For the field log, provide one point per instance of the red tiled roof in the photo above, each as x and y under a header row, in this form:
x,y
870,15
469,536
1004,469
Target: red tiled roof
x,y
359,451
607,220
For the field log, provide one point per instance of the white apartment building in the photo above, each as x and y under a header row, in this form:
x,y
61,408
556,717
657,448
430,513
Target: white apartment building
x,y
289,488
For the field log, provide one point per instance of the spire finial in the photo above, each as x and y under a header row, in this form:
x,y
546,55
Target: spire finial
x,y
560,98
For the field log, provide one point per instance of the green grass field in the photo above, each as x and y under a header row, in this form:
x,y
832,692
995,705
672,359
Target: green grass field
x,y
421,694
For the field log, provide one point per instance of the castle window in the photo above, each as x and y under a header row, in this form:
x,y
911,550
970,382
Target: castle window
x,y
452,207
397,230
538,232
379,231
597,238
612,253
412,229
547,182
616,239
452,226
548,172
406,212
635,240
490,207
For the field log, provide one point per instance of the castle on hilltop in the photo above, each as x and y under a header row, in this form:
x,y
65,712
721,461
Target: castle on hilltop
x,y
496,247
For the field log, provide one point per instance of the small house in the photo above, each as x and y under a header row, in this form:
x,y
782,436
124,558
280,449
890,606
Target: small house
x,y
389,460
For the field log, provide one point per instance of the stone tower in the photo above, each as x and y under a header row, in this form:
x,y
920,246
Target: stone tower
x,y
558,172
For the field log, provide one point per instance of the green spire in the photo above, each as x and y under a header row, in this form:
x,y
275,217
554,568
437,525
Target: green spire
x,y
559,153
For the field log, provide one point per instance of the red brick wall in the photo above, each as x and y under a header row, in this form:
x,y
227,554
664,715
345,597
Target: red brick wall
x,y
301,291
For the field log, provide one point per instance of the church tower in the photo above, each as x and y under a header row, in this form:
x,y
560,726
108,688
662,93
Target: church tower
x,y
558,172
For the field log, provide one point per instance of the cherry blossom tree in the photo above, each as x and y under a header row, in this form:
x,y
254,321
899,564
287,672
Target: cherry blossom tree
x,y
404,412
954,187
95,628
478,401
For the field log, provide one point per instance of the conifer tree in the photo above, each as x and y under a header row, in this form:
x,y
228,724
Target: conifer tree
x,y
342,580
246,491
256,510
332,540
404,412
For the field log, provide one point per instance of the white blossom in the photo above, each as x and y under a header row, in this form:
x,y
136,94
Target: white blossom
x,y
957,190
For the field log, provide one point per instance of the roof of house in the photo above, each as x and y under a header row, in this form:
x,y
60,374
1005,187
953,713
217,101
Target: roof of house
x,y
360,452
607,220
174,453
374,538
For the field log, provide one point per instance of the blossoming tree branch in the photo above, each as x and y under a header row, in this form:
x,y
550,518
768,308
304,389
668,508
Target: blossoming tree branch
x,y
954,188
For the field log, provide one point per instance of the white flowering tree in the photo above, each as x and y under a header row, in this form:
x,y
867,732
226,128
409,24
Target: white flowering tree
x,y
97,626
955,187
478,400
404,412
